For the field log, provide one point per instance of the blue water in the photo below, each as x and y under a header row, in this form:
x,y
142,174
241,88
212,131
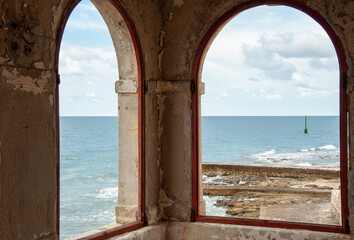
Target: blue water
x,y
271,140
89,157
88,173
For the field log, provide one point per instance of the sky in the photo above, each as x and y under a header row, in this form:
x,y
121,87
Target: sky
x,y
87,65
267,61
271,61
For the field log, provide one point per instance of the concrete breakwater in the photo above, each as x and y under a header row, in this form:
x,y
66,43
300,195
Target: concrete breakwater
x,y
289,193
271,170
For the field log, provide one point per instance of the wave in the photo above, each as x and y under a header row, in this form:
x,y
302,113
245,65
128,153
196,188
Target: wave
x,y
108,193
327,155
328,147
305,164
263,154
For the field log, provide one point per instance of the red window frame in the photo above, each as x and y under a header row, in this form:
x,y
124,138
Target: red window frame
x,y
200,53
141,121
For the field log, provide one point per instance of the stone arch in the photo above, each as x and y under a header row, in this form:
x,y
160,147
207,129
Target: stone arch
x,y
130,107
198,61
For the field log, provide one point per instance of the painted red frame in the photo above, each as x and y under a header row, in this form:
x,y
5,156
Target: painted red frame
x,y
141,121
218,24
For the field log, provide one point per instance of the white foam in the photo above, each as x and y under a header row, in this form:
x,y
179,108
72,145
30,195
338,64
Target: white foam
x,y
266,153
305,164
302,157
262,154
108,193
211,208
328,147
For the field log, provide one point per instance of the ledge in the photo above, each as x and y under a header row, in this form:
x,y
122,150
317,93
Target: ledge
x,y
215,231
272,170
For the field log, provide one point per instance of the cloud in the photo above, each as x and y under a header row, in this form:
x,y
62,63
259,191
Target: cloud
x,y
318,93
330,64
273,67
85,16
87,78
274,53
300,44
275,96
299,81
86,7
253,79
86,61
88,25
310,87
90,94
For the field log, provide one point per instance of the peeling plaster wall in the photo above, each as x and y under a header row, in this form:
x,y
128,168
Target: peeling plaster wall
x,y
28,196
28,154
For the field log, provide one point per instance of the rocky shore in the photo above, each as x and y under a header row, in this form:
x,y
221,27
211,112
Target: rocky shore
x,y
291,194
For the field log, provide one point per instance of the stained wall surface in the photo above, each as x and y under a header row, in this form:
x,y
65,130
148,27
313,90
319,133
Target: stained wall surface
x,y
169,33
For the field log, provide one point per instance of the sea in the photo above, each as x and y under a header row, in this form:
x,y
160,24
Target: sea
x,y
89,157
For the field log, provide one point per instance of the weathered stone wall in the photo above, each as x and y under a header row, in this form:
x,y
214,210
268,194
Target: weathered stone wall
x,y
212,231
169,33
28,195
28,108
184,24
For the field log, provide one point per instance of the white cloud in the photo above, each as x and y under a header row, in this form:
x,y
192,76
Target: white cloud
x,y
275,96
86,17
317,93
253,79
87,78
272,66
86,7
89,25
328,64
300,44
90,94
86,61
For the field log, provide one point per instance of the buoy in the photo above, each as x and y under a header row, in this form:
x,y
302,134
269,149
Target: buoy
x,y
305,131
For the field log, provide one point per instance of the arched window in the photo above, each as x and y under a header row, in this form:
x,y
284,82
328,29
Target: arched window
x,y
99,194
269,75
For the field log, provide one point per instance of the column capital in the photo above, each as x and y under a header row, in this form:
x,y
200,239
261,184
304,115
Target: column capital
x,y
201,88
126,86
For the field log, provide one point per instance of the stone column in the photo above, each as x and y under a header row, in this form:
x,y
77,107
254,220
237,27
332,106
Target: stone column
x,y
128,151
201,200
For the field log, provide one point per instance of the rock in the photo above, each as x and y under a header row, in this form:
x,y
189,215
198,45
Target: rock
x,y
235,211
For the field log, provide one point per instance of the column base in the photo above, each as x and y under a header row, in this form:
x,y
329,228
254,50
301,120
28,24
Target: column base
x,y
202,207
127,214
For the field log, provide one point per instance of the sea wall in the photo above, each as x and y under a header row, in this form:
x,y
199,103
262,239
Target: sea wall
x,y
271,170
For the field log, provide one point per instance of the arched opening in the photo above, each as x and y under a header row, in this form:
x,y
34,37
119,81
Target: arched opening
x,y
99,196
257,96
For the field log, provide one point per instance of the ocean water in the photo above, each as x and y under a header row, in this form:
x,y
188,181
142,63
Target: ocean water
x,y
88,173
89,157
271,140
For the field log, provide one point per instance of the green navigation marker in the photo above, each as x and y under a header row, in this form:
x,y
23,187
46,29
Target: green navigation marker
x,y
305,131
